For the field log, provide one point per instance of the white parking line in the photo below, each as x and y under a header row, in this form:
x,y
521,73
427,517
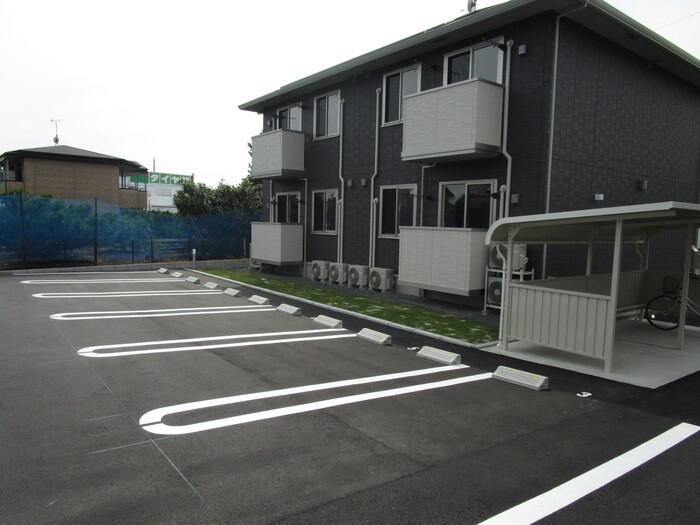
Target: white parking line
x,y
133,293
125,314
84,273
152,421
104,281
559,497
93,351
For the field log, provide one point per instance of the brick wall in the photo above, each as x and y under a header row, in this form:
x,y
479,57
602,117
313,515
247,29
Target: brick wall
x,y
78,180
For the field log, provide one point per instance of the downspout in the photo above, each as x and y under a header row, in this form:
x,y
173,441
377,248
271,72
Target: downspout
x,y
504,141
341,196
422,188
503,191
372,203
552,114
303,245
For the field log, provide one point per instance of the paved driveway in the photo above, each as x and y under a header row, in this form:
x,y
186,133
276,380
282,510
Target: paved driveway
x,y
135,398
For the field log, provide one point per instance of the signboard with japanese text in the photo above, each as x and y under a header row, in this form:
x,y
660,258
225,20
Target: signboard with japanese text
x,y
155,177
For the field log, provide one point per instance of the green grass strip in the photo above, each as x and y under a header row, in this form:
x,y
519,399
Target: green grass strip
x,y
431,321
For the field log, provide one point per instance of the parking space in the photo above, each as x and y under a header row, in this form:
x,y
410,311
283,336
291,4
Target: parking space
x,y
143,398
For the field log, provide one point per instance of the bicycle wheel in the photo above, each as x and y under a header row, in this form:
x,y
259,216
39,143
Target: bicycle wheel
x,y
663,312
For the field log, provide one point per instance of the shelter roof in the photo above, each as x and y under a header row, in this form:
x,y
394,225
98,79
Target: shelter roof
x,y
581,226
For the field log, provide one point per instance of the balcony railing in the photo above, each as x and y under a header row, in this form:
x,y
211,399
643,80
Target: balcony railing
x,y
278,154
277,243
455,122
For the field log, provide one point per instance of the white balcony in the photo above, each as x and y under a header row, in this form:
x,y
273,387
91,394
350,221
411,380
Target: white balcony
x,y
277,243
278,154
456,122
451,260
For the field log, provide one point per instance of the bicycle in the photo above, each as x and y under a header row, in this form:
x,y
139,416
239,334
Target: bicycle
x,y
664,311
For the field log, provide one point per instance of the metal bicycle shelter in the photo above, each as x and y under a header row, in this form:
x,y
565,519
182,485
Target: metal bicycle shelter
x,y
579,315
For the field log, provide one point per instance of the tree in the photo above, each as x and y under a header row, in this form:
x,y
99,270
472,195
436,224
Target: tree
x,y
199,199
194,199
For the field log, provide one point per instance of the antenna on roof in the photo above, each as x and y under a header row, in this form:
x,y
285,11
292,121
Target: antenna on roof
x,y
55,122
471,6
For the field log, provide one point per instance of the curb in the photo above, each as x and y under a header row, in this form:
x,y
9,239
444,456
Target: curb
x,y
391,324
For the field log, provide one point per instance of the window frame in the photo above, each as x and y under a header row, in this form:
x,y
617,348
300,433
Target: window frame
x,y
287,194
276,120
327,134
418,68
471,49
397,187
324,231
466,184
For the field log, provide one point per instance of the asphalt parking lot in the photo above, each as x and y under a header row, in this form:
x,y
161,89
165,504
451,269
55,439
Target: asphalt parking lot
x,y
140,398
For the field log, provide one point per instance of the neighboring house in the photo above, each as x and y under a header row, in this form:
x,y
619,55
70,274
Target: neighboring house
x,y
70,173
403,157
161,188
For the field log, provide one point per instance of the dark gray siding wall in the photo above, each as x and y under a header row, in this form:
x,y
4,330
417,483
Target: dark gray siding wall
x,y
620,121
527,138
617,122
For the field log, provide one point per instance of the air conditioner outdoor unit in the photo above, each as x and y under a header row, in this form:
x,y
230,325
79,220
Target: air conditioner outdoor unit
x,y
338,273
381,279
499,251
494,290
358,275
319,270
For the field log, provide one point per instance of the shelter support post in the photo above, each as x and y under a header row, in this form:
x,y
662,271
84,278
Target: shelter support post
x,y
687,261
614,286
505,302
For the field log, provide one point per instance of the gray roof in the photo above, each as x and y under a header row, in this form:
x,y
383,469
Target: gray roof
x,y
71,153
579,226
595,15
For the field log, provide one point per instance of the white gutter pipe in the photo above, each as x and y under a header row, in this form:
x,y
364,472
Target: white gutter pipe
x,y
341,196
552,114
504,141
372,200
306,201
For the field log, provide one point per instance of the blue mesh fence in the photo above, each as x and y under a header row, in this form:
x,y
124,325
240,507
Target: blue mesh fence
x,y
40,229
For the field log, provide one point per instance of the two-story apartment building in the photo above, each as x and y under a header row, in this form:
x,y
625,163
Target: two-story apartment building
x,y
403,157
66,172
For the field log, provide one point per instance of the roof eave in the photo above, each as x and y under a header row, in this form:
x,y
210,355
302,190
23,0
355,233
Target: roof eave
x,y
595,15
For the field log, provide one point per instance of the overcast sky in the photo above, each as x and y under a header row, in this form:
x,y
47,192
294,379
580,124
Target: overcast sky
x,y
145,79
